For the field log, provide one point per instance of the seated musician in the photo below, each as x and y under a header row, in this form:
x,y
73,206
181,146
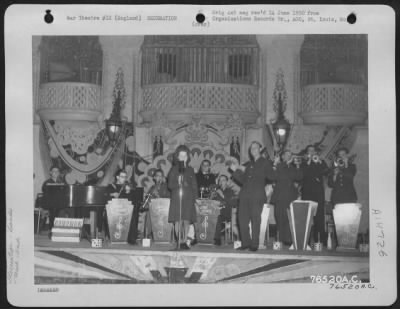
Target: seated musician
x,y
121,188
204,178
55,178
228,201
118,189
160,188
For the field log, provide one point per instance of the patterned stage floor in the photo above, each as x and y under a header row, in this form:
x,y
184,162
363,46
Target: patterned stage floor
x,y
66,263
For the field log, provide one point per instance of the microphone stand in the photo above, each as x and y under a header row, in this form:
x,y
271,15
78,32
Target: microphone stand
x,y
180,178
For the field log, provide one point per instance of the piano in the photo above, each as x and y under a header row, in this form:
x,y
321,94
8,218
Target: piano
x,y
91,198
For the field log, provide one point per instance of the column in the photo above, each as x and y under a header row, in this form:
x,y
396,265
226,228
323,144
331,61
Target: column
x,y
121,52
279,51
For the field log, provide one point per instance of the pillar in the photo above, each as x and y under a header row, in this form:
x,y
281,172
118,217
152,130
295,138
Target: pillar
x,y
280,51
121,52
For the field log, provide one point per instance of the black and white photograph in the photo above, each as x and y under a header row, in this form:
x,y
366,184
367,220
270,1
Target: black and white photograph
x,y
216,159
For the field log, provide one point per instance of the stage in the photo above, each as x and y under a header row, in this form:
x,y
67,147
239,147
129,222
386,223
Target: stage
x,y
76,263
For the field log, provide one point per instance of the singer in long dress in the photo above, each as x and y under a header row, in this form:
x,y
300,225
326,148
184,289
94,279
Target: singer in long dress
x,y
181,169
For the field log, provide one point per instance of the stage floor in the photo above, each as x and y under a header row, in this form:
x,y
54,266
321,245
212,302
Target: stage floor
x,y
67,263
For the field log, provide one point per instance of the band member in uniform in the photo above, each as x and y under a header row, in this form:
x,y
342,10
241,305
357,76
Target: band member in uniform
x,y
160,188
121,188
252,194
314,170
228,201
55,178
204,177
285,192
341,179
182,175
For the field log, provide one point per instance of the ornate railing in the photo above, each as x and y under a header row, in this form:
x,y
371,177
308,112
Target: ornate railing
x,y
199,98
81,100
334,103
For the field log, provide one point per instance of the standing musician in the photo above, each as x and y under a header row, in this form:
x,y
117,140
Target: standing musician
x,y
252,194
228,201
182,176
314,170
341,179
285,191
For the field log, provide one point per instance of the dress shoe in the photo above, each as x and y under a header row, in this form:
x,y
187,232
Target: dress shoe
x,y
193,242
184,246
253,249
217,242
243,248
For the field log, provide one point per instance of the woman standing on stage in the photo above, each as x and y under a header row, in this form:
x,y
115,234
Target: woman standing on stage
x,y
182,176
285,192
252,195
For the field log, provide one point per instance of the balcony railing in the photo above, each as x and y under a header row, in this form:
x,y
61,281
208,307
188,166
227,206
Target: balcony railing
x,y
210,99
70,101
334,104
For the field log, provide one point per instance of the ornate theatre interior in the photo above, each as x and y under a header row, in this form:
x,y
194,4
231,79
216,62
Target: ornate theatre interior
x,y
208,92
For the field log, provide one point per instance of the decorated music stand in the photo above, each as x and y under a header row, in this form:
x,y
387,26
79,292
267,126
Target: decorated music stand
x,y
267,217
119,215
301,217
159,208
207,216
347,220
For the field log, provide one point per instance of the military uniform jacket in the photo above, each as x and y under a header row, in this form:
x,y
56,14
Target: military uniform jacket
x,y
284,190
313,181
254,178
343,190
205,180
160,191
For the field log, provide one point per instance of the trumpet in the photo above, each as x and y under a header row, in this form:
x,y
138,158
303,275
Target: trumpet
x,y
339,162
315,158
297,160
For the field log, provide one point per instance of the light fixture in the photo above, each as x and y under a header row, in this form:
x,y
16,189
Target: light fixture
x,y
280,126
115,125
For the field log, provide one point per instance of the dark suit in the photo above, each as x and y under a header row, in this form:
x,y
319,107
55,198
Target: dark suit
x,y
284,193
343,190
228,201
252,198
205,180
63,212
313,190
